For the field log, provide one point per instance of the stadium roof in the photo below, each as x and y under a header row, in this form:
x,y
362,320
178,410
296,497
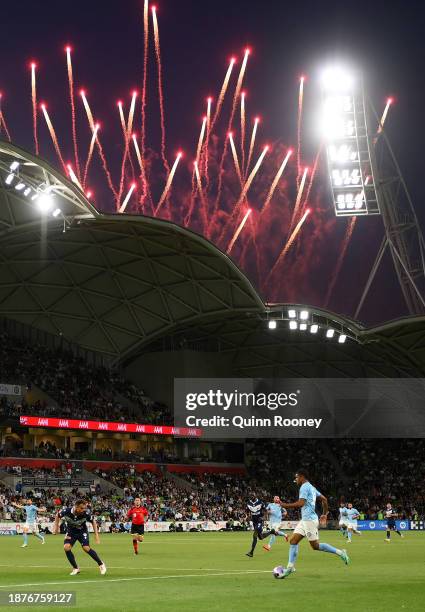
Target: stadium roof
x,y
107,282
115,284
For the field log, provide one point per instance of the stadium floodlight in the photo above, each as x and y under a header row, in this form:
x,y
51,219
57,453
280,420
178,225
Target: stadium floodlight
x,y
293,325
342,338
45,202
9,179
303,326
337,78
304,314
27,191
314,328
20,186
272,322
14,166
348,143
58,211
292,314
330,333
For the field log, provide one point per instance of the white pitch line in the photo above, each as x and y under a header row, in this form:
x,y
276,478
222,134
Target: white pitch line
x,y
144,568
105,581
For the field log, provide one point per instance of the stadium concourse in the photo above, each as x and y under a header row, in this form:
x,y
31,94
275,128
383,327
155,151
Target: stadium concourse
x,y
99,313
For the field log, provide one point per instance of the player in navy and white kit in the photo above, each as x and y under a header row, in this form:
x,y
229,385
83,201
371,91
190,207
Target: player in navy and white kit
x,y
390,516
308,527
257,509
76,519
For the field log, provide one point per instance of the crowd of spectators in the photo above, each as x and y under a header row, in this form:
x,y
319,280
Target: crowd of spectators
x,y
76,387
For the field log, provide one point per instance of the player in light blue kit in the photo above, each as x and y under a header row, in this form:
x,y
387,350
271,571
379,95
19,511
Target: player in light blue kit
x,y
308,527
343,520
352,516
30,526
275,514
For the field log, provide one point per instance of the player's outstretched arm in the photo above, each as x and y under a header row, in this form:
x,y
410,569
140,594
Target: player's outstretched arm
x,y
17,505
325,510
96,531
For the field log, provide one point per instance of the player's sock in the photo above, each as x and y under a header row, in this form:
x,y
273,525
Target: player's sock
x,y
349,536
71,558
93,554
293,554
280,533
388,534
272,540
330,549
135,545
399,532
25,538
38,535
254,543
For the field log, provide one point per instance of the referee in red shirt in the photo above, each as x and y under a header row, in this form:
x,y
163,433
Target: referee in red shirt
x,y
137,515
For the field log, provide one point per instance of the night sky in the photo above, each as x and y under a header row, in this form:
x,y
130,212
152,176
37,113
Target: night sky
x,y
385,39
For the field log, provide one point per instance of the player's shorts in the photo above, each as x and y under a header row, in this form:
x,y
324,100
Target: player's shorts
x,y
343,523
139,529
391,524
77,536
352,525
30,526
308,529
276,525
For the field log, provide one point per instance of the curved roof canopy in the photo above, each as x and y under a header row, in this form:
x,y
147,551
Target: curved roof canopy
x,y
106,282
115,284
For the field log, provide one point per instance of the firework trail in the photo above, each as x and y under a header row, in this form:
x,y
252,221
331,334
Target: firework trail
x,y
243,127
145,74
53,136
345,243
195,166
383,119
160,90
299,126
238,231
207,140
99,144
168,183
298,199
276,181
252,143
245,190
72,100
146,192
3,121
235,158
204,204
229,126
34,106
288,245
90,153
127,129
74,177
127,198
222,93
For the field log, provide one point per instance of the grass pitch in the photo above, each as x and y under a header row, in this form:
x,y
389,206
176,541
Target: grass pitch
x,y
209,571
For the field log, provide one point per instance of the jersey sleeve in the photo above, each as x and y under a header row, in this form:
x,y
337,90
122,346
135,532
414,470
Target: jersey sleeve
x,y
63,512
145,511
303,491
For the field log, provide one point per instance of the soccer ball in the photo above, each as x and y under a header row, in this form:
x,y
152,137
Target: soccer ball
x,y
278,571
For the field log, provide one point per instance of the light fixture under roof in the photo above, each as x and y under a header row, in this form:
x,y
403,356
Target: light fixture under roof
x,y
330,333
293,325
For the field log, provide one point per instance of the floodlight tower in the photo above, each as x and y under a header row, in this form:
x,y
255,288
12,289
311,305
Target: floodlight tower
x,y
365,179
